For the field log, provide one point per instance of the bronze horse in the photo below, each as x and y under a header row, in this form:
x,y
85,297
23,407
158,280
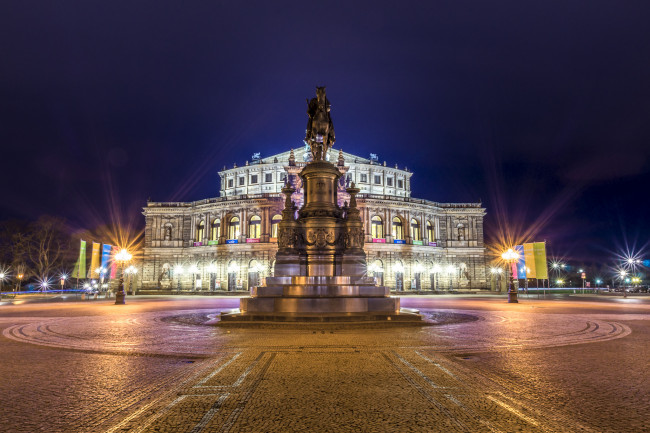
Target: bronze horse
x,y
320,129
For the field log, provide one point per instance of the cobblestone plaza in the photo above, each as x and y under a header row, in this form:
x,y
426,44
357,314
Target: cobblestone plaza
x,y
557,365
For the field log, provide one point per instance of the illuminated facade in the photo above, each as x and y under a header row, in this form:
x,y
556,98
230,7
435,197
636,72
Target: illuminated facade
x,y
229,242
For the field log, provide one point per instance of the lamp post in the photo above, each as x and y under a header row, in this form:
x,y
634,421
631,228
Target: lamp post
x,y
178,270
19,283
122,257
496,272
193,269
510,257
63,278
451,269
418,268
212,269
622,274
3,276
131,271
435,270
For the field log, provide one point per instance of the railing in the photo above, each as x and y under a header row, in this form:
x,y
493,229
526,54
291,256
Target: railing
x,y
418,201
215,200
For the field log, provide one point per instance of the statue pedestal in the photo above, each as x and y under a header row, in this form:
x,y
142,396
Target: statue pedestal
x,y
320,298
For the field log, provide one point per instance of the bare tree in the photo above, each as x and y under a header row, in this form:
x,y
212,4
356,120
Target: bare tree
x,y
47,244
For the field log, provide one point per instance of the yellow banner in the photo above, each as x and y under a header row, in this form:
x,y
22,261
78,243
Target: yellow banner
x,y
529,258
94,261
541,266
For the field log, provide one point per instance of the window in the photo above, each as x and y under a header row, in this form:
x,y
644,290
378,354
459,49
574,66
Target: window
x,y
254,226
242,180
275,224
398,233
230,183
389,181
215,231
283,177
400,183
254,178
377,227
363,178
233,228
430,233
200,230
268,177
415,230
377,179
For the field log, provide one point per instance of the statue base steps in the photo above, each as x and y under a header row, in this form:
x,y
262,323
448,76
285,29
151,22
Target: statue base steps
x,y
320,299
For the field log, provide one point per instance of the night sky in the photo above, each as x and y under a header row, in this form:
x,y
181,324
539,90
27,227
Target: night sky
x,y
541,109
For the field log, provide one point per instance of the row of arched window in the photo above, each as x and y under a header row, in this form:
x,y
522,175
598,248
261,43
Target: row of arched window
x,y
255,228
234,228
377,229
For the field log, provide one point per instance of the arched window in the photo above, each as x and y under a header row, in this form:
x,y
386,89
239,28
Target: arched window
x,y
254,227
415,230
233,228
215,231
167,232
275,224
200,231
431,235
377,227
398,231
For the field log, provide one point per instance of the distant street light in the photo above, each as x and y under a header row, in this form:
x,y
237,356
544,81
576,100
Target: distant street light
x,y
497,272
19,283
510,257
3,276
435,270
451,270
131,271
178,270
63,278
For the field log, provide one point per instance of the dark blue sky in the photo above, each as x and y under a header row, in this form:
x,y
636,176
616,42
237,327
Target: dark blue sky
x,y
540,109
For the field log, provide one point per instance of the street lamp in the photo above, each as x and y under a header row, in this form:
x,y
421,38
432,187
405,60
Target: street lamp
x,y
63,278
212,269
496,273
122,257
418,269
193,269
511,256
435,270
3,276
451,270
19,283
178,270
131,271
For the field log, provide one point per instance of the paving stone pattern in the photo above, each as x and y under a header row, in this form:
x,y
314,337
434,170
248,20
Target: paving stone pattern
x,y
518,369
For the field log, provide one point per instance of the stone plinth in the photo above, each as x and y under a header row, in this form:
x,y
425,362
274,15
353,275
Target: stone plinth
x,y
320,298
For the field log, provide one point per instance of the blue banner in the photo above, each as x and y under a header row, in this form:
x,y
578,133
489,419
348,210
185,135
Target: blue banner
x,y
521,263
106,256
232,241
